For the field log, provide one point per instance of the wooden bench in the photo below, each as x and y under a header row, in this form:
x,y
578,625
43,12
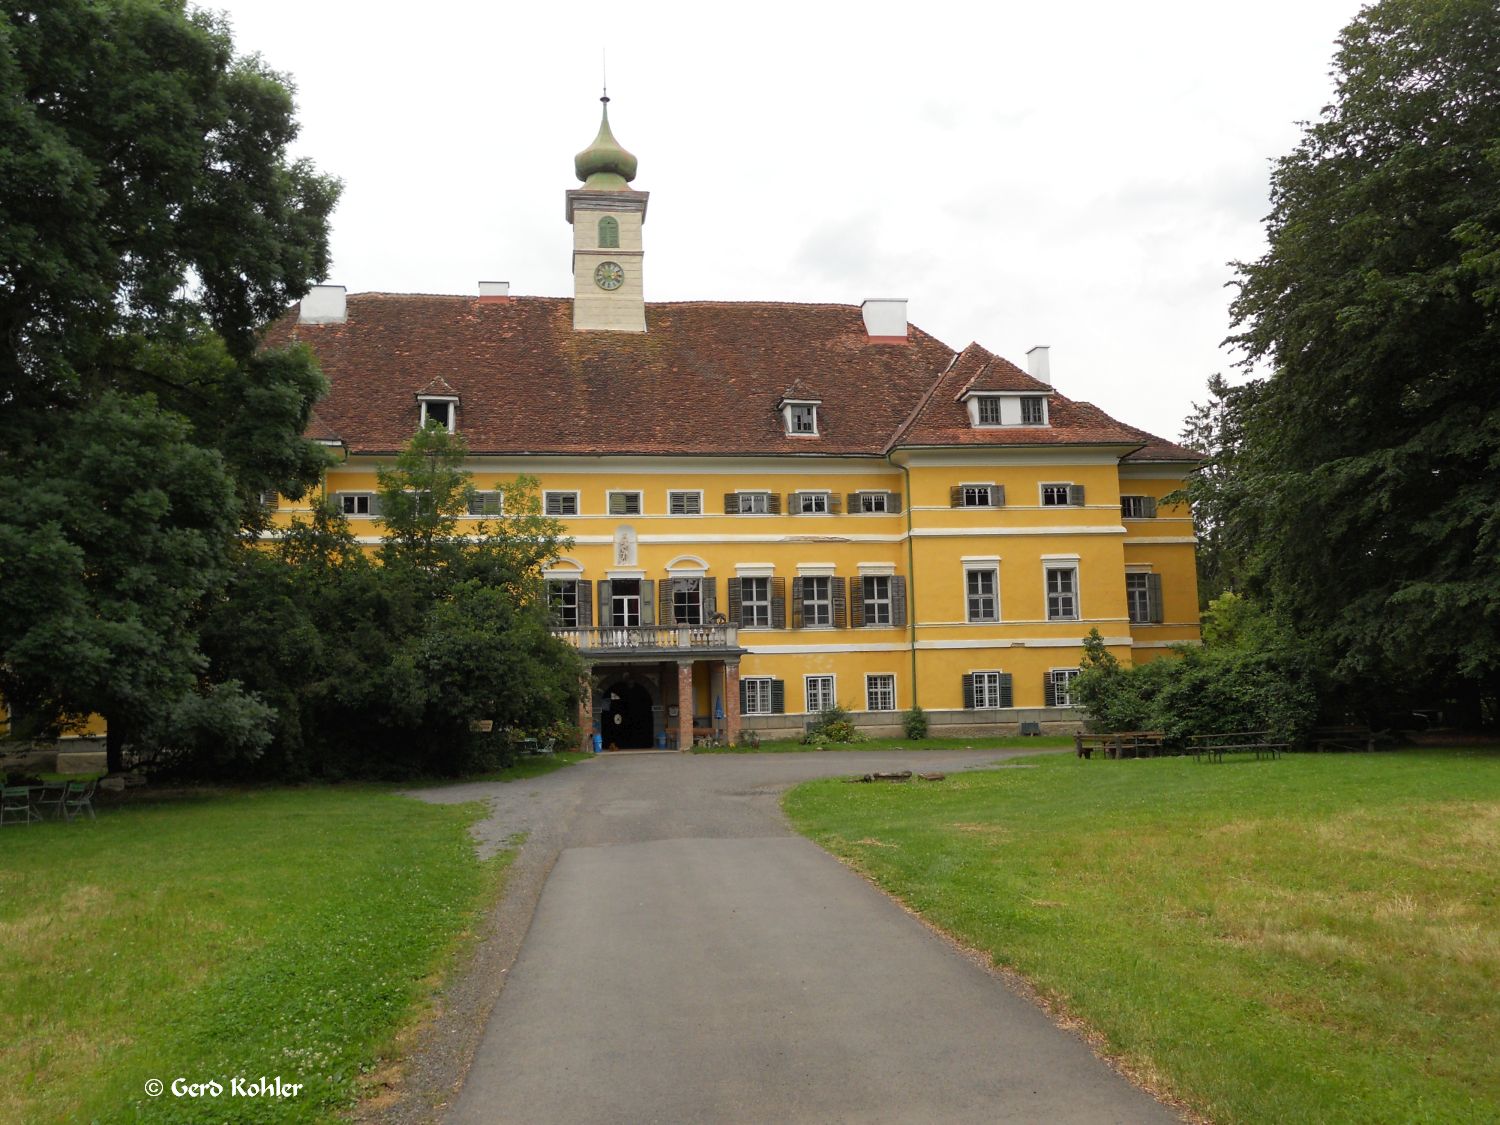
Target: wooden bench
x,y
1342,738
1121,744
1215,746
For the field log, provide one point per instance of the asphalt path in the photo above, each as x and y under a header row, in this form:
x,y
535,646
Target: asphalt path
x,y
690,959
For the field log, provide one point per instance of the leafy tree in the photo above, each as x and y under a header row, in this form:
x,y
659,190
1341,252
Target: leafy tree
x,y
150,223
1366,499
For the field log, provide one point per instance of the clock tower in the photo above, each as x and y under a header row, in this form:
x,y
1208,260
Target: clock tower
x,y
607,216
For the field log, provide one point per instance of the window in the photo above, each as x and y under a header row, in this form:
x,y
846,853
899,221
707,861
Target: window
x,y
1137,507
625,603
624,503
880,693
986,690
487,503
685,503
1138,598
804,418
983,594
270,501
1054,496
356,503
561,503
812,503
817,601
1032,410
687,601
975,496
1062,686
989,410
753,503
755,602
875,590
562,601
1062,593
819,693
874,502
757,691
439,410
609,233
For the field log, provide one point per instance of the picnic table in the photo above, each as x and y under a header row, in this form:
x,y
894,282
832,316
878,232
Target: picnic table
x,y
1121,744
1343,738
1215,746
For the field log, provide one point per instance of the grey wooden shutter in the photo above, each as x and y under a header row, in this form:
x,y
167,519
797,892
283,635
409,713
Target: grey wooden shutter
x,y
377,504
731,503
778,603
778,697
997,496
1148,507
852,501
856,603
956,496
1006,698
337,500
710,599
968,691
1075,495
797,610
648,601
793,502
773,504
840,603
585,603
1153,599
617,503
743,693
734,602
893,503
1049,689
835,504
664,611
898,600
605,617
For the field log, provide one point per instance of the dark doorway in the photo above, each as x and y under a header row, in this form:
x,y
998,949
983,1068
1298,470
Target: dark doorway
x,y
627,717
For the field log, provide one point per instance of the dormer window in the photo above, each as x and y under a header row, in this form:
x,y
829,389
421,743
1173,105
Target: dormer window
x,y
1000,409
804,418
989,410
1033,410
442,409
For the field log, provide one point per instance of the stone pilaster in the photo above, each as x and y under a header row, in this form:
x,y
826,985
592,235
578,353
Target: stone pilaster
x,y
732,701
684,705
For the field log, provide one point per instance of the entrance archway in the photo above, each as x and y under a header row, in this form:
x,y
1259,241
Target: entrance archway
x,y
626,720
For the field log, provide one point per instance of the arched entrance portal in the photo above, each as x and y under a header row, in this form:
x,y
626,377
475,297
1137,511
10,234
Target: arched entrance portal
x,y
626,721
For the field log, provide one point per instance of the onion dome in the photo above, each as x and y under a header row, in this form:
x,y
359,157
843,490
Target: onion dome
x,y
604,165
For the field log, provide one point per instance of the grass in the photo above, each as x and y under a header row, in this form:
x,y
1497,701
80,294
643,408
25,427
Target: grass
x,y
1314,939
269,933
792,746
532,765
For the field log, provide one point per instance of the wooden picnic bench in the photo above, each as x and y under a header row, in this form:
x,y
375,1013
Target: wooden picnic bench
x,y
1342,738
1215,746
1121,744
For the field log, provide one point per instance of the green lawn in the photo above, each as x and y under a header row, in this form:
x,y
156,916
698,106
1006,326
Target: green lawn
x,y
267,933
1312,939
795,747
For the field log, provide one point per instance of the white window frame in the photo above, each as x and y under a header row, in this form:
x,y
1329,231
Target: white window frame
x,y
758,686
990,403
1062,685
688,494
1125,503
865,497
826,602
748,603
1143,594
870,678
815,495
807,693
609,501
797,412
451,401
1054,484
987,489
367,497
555,588
876,601
1048,569
760,495
986,690
696,600
970,596
561,494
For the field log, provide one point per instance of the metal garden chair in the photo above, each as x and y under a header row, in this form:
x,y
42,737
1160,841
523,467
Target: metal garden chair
x,y
79,799
15,806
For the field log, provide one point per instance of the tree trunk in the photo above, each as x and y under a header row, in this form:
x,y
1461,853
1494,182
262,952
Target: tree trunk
x,y
114,746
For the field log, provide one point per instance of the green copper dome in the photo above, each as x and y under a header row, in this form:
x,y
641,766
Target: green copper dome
x,y
604,165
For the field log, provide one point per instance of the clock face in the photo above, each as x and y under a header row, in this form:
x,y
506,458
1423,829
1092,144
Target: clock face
x,y
609,275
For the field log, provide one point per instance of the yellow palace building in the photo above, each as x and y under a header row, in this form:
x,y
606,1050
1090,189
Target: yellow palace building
x,y
775,507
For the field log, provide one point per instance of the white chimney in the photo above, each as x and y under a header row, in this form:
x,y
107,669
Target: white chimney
x,y
885,318
324,304
1038,366
495,290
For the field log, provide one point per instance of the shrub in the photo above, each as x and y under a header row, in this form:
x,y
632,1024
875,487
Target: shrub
x,y
914,723
832,725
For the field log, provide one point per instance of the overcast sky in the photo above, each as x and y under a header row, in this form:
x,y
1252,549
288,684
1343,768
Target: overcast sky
x,y
1078,175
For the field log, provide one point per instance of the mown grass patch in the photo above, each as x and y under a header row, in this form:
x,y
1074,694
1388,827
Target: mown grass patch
x,y
1312,939
792,746
267,933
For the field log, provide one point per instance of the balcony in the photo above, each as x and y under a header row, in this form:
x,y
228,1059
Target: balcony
x,y
654,642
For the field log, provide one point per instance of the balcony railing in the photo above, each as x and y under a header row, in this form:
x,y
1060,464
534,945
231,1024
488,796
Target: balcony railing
x,y
652,638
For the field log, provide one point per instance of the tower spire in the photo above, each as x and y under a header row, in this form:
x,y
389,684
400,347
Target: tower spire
x,y
605,165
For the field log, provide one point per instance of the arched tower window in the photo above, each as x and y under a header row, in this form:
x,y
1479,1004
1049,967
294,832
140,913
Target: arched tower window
x,y
609,232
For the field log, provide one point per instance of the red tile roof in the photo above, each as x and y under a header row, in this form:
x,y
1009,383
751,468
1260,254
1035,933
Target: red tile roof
x,y
705,378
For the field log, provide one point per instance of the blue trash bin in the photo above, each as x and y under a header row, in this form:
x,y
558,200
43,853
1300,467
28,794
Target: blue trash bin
x,y
661,741
598,743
